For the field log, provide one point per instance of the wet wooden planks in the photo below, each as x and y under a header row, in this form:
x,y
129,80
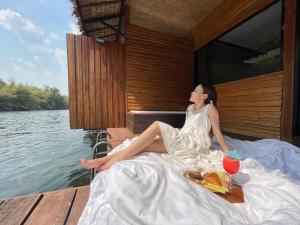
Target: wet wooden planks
x,y
57,207
16,210
79,203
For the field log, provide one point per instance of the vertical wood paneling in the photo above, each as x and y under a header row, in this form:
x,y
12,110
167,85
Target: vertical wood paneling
x,y
103,86
115,85
109,85
98,89
225,16
92,105
79,82
96,83
289,33
252,106
85,74
72,80
121,82
159,70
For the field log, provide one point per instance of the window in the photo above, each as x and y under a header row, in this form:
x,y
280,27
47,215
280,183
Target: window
x,y
252,48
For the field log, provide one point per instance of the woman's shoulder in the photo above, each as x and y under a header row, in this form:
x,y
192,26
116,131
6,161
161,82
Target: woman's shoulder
x,y
189,108
211,108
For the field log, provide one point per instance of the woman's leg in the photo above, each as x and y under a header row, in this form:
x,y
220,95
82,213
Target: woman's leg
x,y
156,146
139,145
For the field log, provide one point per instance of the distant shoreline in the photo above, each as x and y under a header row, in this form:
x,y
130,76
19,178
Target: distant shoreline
x,y
22,97
34,110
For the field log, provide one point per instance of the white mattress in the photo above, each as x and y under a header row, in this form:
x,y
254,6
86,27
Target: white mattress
x,y
149,189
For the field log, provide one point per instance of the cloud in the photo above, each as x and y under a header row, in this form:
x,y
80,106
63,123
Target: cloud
x,y
55,37
18,68
39,48
60,57
21,65
36,58
14,22
37,69
26,62
38,78
33,38
52,37
47,41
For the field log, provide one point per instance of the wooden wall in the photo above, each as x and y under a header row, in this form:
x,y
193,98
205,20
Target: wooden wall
x,y
229,14
96,83
252,106
225,16
289,34
159,70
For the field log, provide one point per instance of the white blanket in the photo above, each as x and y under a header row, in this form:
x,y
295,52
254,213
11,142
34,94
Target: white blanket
x,y
149,189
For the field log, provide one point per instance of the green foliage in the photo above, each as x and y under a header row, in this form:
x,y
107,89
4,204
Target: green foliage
x,y
14,97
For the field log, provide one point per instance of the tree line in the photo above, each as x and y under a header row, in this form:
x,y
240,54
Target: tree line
x,y
17,97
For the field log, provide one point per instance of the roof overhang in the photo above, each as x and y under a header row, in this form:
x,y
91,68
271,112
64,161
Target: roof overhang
x,y
104,18
100,19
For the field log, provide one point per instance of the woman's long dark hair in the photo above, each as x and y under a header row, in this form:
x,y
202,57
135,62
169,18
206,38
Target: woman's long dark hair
x,y
212,94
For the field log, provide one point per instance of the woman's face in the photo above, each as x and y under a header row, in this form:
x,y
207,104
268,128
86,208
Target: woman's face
x,y
197,95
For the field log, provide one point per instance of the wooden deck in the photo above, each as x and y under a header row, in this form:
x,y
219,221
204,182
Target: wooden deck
x,y
49,208
56,207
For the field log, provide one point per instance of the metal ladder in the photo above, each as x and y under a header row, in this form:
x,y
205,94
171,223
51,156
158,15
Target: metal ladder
x,y
98,152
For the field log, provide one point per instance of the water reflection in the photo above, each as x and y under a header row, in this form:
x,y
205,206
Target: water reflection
x,y
79,177
40,153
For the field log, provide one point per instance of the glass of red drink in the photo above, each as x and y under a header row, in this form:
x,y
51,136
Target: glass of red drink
x,y
231,166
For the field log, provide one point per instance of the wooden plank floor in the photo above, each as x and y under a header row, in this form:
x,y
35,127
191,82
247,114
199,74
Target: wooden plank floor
x,y
53,208
49,208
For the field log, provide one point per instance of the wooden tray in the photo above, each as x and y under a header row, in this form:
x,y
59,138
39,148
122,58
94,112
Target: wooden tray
x,y
236,194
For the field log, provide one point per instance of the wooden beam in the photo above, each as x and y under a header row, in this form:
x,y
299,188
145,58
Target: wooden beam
x,y
122,10
289,33
224,17
126,16
97,4
112,27
99,19
99,29
80,13
104,36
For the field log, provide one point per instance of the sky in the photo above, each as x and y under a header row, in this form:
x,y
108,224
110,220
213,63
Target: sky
x,y
33,42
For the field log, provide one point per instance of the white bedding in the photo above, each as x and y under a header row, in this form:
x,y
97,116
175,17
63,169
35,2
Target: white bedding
x,y
149,189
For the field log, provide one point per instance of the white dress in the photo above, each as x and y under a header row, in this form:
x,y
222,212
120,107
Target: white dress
x,y
192,141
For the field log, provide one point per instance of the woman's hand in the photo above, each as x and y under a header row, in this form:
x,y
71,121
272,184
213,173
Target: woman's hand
x,y
213,116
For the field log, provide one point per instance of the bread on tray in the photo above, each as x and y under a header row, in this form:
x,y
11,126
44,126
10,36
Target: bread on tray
x,y
215,181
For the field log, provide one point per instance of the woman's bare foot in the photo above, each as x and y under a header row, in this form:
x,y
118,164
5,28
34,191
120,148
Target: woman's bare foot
x,y
94,163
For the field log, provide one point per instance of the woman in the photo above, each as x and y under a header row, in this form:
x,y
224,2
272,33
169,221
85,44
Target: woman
x,y
186,145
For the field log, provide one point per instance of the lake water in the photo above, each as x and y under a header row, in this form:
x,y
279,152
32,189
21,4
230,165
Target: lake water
x,y
39,153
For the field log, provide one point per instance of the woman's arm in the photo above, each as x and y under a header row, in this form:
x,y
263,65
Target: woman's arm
x,y
213,115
